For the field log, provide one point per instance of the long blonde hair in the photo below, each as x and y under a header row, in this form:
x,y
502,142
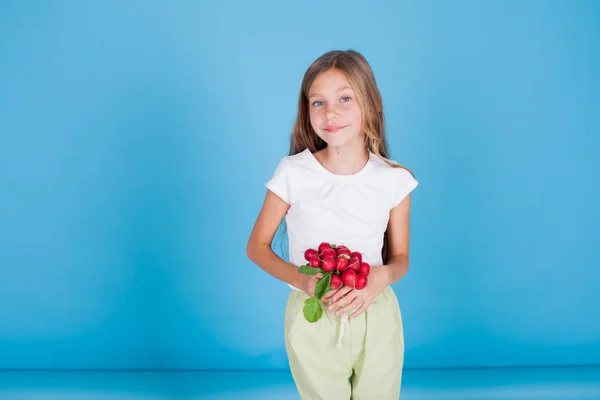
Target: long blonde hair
x,y
360,75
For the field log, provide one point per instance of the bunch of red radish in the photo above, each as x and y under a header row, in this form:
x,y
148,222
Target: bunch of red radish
x,y
346,267
340,267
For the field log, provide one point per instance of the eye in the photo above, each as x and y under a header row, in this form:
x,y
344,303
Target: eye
x,y
317,103
345,99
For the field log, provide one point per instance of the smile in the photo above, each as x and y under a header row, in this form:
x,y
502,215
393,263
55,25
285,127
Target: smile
x,y
334,128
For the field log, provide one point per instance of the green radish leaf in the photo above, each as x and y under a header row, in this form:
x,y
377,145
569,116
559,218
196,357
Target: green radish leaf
x,y
323,285
308,270
333,246
312,310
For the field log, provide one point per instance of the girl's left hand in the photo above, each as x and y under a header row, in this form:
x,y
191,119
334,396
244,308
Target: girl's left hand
x,y
345,298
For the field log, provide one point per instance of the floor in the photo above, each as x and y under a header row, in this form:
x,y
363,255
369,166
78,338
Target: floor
x,y
481,384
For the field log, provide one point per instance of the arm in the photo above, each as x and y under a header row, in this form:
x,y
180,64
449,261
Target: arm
x,y
398,242
259,249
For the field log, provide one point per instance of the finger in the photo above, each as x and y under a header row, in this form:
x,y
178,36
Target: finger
x,y
359,311
319,275
342,298
343,302
353,304
329,295
326,298
341,292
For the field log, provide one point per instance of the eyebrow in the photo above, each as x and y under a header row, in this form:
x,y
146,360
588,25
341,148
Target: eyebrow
x,y
339,90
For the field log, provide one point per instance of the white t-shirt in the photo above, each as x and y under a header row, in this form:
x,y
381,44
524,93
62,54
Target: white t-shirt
x,y
352,210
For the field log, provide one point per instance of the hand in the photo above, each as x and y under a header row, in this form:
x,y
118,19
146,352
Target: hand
x,y
329,295
308,283
345,298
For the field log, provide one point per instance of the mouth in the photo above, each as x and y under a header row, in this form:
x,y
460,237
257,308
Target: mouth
x,y
334,128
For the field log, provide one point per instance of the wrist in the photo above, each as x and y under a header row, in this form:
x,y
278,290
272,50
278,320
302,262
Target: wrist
x,y
386,275
296,280
396,269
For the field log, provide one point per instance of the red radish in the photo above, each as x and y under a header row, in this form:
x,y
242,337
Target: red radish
x,y
310,253
328,264
354,264
341,264
328,253
323,246
342,250
364,269
356,255
361,282
315,262
349,278
336,281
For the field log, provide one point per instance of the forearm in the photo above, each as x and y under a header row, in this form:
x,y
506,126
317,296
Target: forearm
x,y
263,256
396,268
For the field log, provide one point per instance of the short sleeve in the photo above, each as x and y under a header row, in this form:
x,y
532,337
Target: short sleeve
x,y
280,181
404,183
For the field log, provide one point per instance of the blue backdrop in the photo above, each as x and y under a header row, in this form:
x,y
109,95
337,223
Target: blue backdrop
x,y
135,139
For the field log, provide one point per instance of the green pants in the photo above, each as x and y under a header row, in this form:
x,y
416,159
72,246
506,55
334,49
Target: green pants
x,y
367,366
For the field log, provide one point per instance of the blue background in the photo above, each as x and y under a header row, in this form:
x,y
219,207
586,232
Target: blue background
x,y
135,139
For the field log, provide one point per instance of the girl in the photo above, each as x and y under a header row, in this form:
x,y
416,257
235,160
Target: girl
x,y
338,186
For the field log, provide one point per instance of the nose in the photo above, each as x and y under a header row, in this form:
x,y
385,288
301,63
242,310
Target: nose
x,y
330,113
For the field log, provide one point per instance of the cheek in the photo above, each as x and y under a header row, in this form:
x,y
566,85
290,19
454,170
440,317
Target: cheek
x,y
356,116
314,118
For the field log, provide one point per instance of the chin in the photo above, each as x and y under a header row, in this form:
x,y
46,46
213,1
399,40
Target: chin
x,y
333,141
338,141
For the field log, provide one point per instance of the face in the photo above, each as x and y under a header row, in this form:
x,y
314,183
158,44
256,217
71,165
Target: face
x,y
335,114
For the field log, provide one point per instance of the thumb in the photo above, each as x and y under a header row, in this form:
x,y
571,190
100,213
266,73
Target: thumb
x,y
319,275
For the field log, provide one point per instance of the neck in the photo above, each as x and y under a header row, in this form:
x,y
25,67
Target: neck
x,y
345,160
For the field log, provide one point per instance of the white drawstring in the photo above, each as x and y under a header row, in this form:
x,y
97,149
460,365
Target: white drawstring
x,y
343,322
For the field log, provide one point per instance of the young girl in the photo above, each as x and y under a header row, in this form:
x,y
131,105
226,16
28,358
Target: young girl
x,y
338,186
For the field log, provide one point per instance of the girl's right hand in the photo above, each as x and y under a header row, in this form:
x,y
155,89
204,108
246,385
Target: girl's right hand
x,y
308,283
